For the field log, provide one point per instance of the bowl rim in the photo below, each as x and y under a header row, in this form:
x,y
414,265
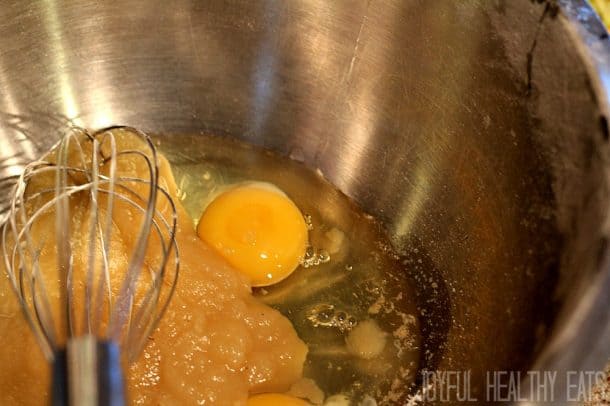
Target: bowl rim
x,y
580,340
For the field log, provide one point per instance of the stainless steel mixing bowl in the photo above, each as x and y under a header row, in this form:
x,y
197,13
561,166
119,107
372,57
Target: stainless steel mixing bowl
x,y
476,131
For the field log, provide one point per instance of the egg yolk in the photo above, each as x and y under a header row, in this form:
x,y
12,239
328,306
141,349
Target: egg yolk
x,y
275,399
258,230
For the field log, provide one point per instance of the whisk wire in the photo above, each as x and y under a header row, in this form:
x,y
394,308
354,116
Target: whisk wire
x,y
38,320
93,223
62,230
127,290
151,299
105,235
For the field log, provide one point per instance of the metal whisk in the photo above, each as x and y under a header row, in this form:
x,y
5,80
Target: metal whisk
x,y
91,319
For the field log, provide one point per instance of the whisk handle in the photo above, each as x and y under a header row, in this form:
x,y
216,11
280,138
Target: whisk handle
x,y
88,373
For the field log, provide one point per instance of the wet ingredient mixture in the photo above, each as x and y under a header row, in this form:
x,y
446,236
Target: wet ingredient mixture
x,y
288,293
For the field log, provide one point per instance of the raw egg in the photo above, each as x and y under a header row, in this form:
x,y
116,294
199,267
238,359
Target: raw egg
x,y
275,399
257,229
